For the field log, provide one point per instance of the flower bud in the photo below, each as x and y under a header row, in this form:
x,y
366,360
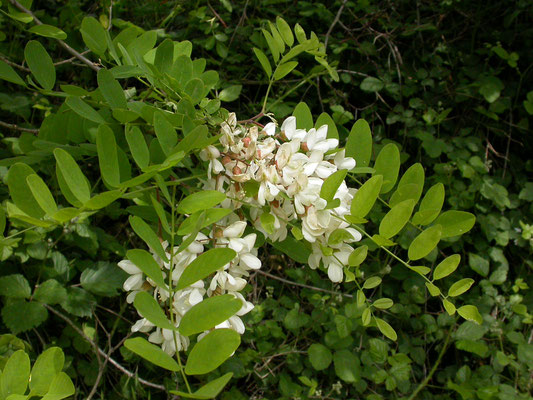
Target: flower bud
x,y
236,170
226,160
246,141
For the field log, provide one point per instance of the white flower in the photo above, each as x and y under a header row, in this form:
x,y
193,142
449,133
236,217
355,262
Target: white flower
x,y
165,338
316,140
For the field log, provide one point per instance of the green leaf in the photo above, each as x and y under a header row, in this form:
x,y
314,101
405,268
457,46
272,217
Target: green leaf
x,y
299,33
424,243
21,192
94,35
79,302
459,287
209,391
210,352
325,119
267,222
107,155
164,56
271,45
347,366
111,89
152,353
372,282
386,329
296,250
278,40
211,216
50,292
8,74
72,175
433,290
285,31
470,313
388,165
105,279
455,223
448,306
446,266
430,206
138,148
149,308
143,230
34,314
358,256
147,264
263,60
371,84
204,265
231,93
165,132
410,186
2,221
331,184
319,356
359,143
203,200
40,64
195,89
46,367
366,196
383,303
209,313
304,118
42,194
491,88
15,375
366,317
479,264
283,70
394,221
48,31
60,388
103,199
15,286
84,110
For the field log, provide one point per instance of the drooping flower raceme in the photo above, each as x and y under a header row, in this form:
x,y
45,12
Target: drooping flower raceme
x,y
278,174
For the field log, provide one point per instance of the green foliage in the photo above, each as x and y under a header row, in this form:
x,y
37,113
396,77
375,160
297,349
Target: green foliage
x,y
121,144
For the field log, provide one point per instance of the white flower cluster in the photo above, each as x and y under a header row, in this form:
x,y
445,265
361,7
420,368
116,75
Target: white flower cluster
x,y
282,173
279,172
229,279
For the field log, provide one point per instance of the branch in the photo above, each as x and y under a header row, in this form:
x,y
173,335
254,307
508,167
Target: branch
x,y
103,353
18,128
302,285
76,54
337,17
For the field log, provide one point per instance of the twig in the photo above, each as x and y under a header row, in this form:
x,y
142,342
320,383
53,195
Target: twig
x,y
18,128
302,284
109,23
434,369
9,62
100,351
75,53
337,17
69,60
216,15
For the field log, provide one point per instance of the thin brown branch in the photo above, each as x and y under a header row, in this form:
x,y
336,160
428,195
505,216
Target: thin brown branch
x,y
288,282
337,17
75,53
217,16
97,349
18,128
13,64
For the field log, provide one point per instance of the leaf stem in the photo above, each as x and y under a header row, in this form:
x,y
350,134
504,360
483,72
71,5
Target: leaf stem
x,y
171,289
434,369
